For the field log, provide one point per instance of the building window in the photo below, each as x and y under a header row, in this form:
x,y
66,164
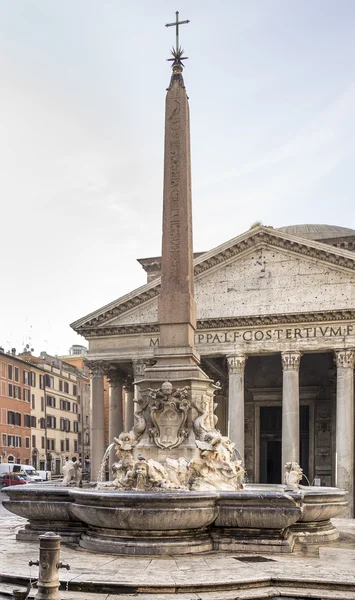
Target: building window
x,y
4,439
42,423
10,442
50,381
33,441
75,408
42,403
3,369
51,422
51,401
17,392
33,421
65,405
10,417
66,387
75,446
41,382
33,404
76,427
18,418
42,442
67,448
50,444
60,385
74,390
26,378
27,420
27,442
18,441
9,371
10,392
33,379
16,374
11,459
62,445
26,394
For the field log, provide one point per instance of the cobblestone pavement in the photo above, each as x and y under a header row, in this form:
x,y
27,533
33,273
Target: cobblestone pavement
x,y
325,572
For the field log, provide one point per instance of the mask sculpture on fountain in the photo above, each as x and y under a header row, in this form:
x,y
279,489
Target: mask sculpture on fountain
x,y
293,475
164,411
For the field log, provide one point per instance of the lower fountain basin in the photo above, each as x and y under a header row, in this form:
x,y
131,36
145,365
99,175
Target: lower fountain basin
x,y
256,519
46,509
319,505
260,518
145,522
322,503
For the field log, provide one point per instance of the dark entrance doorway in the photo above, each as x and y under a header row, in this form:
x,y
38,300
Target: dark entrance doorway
x,y
271,470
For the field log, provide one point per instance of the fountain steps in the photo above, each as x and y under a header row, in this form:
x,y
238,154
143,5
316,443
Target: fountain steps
x,y
252,590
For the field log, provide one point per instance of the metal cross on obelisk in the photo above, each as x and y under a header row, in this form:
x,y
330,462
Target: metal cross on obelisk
x,y
176,24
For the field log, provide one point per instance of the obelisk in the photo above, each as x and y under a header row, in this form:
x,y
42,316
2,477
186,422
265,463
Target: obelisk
x,y
176,358
177,314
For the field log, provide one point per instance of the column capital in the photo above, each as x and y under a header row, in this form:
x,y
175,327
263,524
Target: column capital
x,y
115,376
291,360
139,365
345,358
236,363
97,368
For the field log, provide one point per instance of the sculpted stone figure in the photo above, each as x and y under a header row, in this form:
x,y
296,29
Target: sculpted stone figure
x,y
72,472
293,475
165,410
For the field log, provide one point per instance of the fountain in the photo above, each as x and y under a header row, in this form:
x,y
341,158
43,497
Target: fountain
x,y
177,485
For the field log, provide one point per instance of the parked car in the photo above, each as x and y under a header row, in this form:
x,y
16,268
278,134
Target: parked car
x,y
12,479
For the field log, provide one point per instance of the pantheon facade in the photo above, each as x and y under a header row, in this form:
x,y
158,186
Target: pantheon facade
x,y
275,331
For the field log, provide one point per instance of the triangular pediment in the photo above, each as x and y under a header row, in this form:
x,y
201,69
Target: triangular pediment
x,y
261,272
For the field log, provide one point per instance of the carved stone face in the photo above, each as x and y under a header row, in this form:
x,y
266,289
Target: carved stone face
x,y
167,388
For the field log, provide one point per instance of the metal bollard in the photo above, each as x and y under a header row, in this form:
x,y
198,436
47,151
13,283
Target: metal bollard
x,y
49,565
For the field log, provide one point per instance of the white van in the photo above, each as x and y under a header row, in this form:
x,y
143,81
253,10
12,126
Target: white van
x,y
30,473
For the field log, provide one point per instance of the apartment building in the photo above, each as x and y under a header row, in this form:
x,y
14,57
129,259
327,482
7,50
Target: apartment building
x,y
41,417
15,409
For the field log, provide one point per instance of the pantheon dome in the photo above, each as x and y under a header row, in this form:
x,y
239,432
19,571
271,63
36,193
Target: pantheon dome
x,y
342,237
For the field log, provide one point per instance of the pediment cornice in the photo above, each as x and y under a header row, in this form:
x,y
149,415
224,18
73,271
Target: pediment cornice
x,y
227,323
341,259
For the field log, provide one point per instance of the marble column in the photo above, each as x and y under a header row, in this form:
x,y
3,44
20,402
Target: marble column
x,y
344,467
128,405
236,367
97,435
290,407
115,411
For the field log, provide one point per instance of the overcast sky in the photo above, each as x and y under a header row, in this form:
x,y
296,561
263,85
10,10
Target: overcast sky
x,y
272,98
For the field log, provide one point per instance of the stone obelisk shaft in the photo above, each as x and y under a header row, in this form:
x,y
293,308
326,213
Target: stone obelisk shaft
x,y
177,315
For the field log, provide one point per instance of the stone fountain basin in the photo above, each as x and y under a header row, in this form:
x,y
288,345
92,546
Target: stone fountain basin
x,y
47,509
322,503
144,511
37,503
259,508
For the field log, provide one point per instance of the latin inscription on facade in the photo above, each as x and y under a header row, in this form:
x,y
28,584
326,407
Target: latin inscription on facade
x,y
271,334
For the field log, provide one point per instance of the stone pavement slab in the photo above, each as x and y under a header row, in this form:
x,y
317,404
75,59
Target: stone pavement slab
x,y
325,572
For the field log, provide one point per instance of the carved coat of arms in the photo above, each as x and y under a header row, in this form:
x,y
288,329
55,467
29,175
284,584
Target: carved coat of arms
x,y
168,411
